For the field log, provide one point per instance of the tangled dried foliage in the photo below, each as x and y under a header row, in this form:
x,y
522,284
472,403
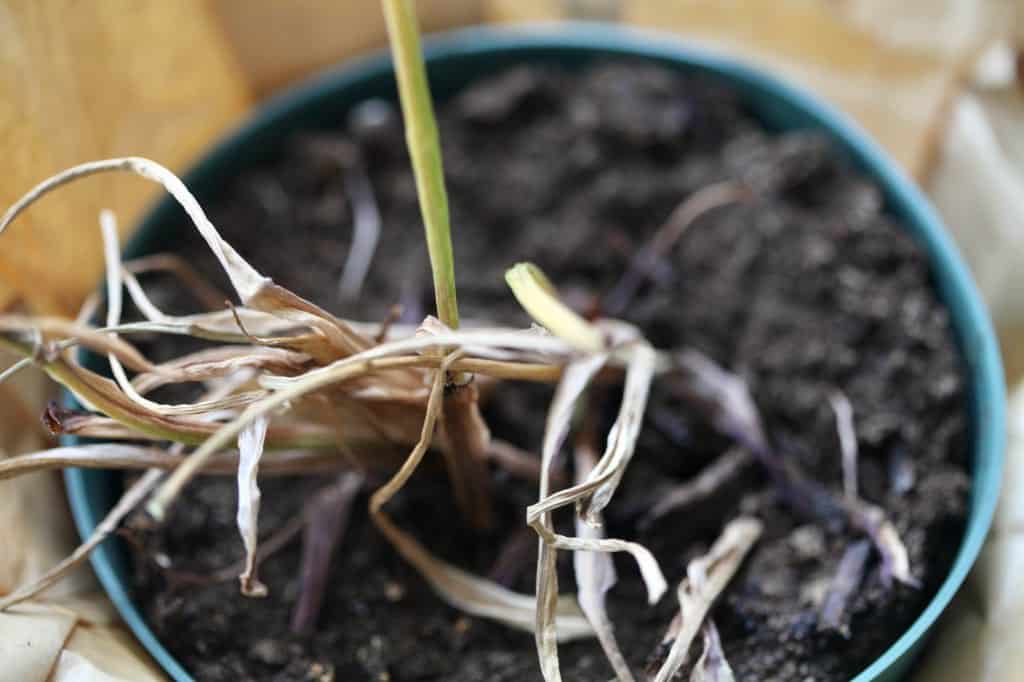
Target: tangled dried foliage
x,y
292,388
281,356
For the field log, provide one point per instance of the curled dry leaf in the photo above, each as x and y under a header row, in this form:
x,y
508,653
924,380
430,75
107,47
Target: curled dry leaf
x,y
712,665
874,523
574,382
595,576
304,359
538,297
594,493
112,257
246,280
724,397
117,456
250,450
463,590
705,579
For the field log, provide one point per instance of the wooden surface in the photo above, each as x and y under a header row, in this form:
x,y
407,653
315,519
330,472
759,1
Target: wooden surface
x,y
280,42
87,80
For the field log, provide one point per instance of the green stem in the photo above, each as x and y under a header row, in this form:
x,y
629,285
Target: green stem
x,y
425,151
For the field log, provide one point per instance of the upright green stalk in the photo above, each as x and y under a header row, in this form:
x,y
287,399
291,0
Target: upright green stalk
x,y
425,151
464,428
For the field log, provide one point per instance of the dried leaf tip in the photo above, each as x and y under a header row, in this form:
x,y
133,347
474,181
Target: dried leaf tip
x,y
250,450
246,280
538,296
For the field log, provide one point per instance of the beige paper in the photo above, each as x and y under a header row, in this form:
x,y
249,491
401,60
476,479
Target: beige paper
x,y
980,638
31,639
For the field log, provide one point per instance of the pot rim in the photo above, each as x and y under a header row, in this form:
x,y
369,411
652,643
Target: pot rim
x,y
540,42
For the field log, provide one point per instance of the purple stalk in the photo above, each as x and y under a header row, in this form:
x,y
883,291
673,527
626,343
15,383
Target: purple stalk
x,y
517,554
326,518
847,442
726,400
647,258
702,486
834,610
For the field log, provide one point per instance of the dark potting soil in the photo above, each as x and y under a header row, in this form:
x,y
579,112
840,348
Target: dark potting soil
x,y
804,289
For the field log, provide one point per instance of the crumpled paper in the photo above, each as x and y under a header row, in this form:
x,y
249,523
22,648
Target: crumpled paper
x,y
978,186
71,632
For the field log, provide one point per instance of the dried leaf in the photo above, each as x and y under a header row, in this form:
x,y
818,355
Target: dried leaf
x,y
594,493
725,397
246,280
117,456
212,363
575,380
625,431
595,576
14,369
895,561
71,334
250,450
470,593
712,666
112,251
705,579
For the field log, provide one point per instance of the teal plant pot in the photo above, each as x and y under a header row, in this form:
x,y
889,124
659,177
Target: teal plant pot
x,y
458,58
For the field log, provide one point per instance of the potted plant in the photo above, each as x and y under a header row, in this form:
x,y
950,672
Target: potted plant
x,y
776,379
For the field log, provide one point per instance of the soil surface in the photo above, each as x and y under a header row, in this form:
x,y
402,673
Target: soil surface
x,y
804,288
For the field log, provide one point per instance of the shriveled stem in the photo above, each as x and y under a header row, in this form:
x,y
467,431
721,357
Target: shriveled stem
x,y
834,610
705,484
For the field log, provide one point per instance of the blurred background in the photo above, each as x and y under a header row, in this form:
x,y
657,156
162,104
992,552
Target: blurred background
x,y
940,83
